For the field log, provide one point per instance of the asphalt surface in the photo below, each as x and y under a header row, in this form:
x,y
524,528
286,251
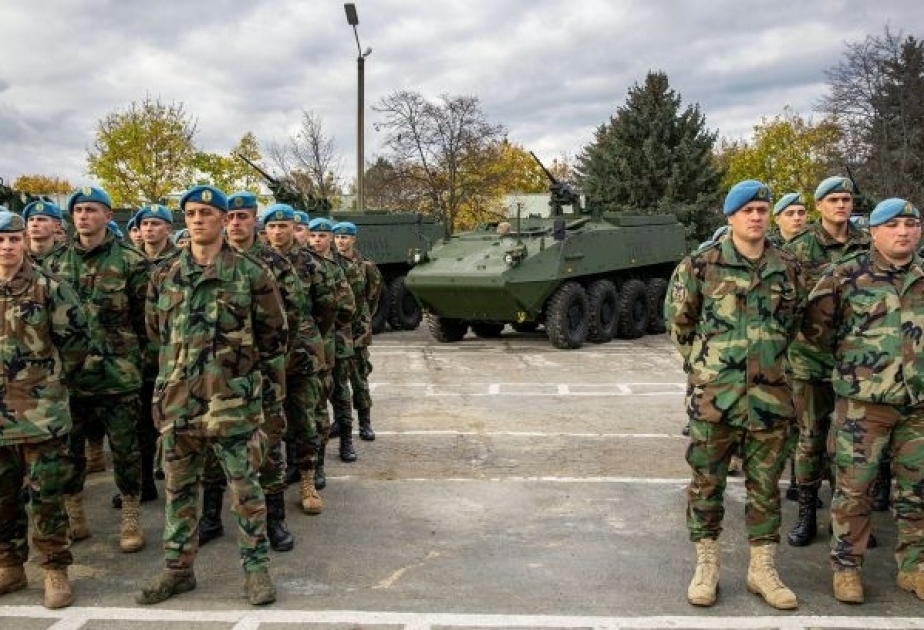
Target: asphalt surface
x,y
512,485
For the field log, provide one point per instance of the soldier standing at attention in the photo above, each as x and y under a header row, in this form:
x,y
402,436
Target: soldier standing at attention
x,y
43,220
44,344
789,214
345,239
218,319
320,239
734,306
303,387
240,233
133,227
301,228
868,314
110,277
818,247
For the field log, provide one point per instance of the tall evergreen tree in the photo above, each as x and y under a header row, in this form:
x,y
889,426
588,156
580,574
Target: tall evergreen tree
x,y
653,158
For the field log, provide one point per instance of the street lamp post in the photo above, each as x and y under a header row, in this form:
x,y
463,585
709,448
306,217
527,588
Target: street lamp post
x,y
353,20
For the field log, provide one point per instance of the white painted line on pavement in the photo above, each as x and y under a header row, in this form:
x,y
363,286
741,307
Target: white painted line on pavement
x,y
534,434
251,619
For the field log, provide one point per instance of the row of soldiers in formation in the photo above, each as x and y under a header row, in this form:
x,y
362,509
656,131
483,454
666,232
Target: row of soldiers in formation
x,y
214,355
822,327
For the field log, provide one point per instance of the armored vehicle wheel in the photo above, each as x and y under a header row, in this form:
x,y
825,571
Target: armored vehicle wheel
x,y
405,313
380,319
633,310
487,330
657,291
445,329
567,316
603,302
525,327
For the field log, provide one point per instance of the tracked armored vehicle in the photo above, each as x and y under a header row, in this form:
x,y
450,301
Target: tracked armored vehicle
x,y
583,273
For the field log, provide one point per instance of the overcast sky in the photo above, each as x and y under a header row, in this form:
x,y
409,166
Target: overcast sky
x,y
550,71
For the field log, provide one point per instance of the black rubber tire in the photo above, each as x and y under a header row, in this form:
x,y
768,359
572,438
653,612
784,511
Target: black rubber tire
x,y
405,313
525,327
657,292
566,316
633,310
446,330
380,319
487,330
603,301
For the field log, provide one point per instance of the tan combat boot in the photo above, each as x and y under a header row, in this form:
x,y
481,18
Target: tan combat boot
x,y
130,538
705,583
848,587
311,501
12,579
259,587
763,579
58,593
96,457
76,519
912,581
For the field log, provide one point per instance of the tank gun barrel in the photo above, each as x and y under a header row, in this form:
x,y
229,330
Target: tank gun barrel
x,y
547,172
272,181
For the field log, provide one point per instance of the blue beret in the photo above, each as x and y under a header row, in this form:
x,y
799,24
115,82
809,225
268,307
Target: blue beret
x,y
11,222
153,211
301,218
789,199
278,212
320,224
86,194
42,208
744,192
242,199
208,195
833,185
345,227
180,234
115,229
887,210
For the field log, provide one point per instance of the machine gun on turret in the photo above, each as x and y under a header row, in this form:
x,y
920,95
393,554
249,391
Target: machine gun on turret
x,y
562,194
284,192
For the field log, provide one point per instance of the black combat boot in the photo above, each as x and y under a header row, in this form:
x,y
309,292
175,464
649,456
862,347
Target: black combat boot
x,y
882,487
292,475
803,532
320,479
280,538
210,526
365,425
347,452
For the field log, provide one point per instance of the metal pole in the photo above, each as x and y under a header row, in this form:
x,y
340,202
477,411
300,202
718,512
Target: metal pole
x,y
360,129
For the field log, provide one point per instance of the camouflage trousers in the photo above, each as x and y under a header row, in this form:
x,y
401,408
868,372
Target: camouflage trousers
x,y
814,402
44,467
764,457
862,433
184,459
359,379
341,399
270,464
320,413
302,394
119,415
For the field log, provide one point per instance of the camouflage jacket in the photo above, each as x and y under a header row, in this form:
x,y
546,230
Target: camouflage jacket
x,y
43,345
222,334
151,351
316,301
372,290
732,321
110,281
869,316
818,252
356,277
42,258
335,278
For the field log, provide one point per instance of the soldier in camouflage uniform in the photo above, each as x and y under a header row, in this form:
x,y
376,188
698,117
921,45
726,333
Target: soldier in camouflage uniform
x,y
43,219
241,235
303,387
789,216
301,227
110,278
868,314
338,342
44,344
156,224
818,247
732,311
218,319
345,239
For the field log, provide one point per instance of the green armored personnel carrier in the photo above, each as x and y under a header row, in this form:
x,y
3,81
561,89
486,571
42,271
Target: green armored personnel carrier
x,y
584,274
